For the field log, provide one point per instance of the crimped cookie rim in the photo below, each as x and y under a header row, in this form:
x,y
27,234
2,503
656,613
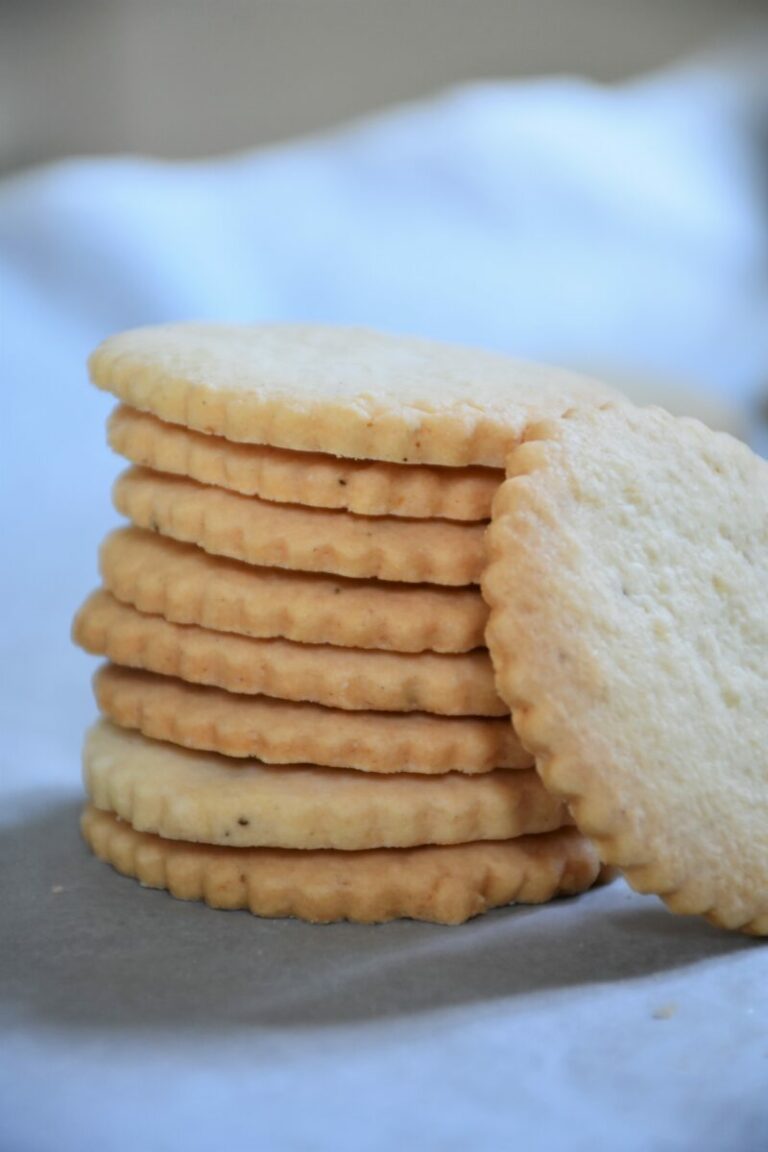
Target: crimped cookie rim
x,y
563,773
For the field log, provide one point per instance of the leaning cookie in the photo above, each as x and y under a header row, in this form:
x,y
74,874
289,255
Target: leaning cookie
x,y
627,577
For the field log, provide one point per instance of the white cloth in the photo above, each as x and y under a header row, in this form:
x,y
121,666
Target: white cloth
x,y
616,230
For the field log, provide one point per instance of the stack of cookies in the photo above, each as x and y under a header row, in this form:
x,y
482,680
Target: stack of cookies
x,y
300,712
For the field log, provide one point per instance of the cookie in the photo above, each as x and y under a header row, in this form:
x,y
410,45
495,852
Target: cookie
x,y
344,391
281,732
183,795
307,539
445,884
366,487
187,586
629,630
335,677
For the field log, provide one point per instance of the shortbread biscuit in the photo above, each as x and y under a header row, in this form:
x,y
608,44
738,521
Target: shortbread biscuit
x,y
335,677
281,732
188,586
308,539
344,391
366,487
628,582
184,795
444,884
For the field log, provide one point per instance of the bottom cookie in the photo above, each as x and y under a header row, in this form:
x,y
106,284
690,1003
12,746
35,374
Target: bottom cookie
x,y
445,884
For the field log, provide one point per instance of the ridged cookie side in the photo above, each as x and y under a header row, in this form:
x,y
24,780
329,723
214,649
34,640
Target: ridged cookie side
x,y
365,487
188,586
344,678
442,885
304,539
184,795
282,732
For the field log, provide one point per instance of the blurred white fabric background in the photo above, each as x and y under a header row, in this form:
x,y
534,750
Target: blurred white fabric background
x,y
621,231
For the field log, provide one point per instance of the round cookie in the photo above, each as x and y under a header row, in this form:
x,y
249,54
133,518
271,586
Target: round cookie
x,y
304,539
444,884
627,580
282,732
344,391
183,795
365,487
461,685
188,586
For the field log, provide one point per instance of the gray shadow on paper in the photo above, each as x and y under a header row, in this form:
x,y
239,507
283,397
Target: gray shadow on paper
x,y
82,946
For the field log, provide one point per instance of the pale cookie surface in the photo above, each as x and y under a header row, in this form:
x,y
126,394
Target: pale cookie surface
x,y
184,795
345,391
444,884
307,539
188,586
281,732
366,487
629,630
335,677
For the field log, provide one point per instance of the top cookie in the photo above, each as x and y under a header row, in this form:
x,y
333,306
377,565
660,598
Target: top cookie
x,y
346,391
627,579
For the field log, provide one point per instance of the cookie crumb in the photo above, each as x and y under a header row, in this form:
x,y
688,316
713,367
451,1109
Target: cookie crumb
x,y
665,1011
